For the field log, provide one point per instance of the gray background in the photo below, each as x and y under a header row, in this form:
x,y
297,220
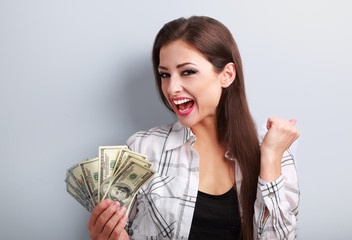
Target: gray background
x,y
77,74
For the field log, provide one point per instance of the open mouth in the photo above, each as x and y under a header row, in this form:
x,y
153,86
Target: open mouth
x,y
184,105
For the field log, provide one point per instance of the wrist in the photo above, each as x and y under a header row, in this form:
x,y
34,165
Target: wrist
x,y
270,154
270,167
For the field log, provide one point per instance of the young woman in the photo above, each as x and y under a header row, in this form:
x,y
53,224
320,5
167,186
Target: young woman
x,y
214,179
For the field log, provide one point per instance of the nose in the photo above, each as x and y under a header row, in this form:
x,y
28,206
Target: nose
x,y
175,85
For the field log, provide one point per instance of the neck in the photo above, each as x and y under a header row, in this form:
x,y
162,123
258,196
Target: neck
x,y
206,133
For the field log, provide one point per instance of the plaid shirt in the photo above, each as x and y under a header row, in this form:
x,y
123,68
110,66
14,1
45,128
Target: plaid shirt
x,y
163,208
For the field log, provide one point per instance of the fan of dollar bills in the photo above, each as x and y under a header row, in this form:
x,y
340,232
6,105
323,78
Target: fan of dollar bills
x,y
117,174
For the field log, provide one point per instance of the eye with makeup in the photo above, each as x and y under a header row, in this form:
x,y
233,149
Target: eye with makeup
x,y
163,75
188,72
183,73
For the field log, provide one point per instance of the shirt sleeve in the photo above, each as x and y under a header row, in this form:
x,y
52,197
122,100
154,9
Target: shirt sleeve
x,y
281,199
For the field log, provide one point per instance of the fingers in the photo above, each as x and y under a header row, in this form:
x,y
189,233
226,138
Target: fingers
x,y
293,121
111,224
275,120
284,126
97,229
97,211
281,134
105,216
119,222
107,221
269,122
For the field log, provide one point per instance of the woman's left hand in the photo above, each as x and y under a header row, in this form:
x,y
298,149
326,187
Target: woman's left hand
x,y
281,134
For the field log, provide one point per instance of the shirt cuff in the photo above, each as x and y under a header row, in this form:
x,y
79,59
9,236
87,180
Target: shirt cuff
x,y
271,193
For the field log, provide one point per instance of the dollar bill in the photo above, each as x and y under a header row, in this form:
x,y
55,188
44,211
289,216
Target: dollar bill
x,y
123,158
90,170
70,181
73,193
107,161
124,186
117,173
77,175
76,196
136,159
74,190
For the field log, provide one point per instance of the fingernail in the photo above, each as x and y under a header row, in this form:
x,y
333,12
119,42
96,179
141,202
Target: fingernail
x,y
122,209
116,204
107,202
124,218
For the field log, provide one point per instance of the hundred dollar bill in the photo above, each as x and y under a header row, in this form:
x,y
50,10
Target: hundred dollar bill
x,y
73,189
124,186
70,181
90,169
107,161
77,175
123,158
72,192
136,159
76,196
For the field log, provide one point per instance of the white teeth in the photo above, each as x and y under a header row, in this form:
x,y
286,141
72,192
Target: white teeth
x,y
178,102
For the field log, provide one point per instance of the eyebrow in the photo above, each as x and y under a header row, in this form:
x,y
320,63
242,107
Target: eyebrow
x,y
178,66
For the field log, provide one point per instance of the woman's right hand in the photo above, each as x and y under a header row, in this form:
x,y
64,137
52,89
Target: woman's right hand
x,y
108,221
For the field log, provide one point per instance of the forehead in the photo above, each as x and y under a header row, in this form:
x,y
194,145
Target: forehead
x,y
179,51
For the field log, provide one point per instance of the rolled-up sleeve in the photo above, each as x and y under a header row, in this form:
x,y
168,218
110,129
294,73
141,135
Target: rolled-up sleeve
x,y
281,199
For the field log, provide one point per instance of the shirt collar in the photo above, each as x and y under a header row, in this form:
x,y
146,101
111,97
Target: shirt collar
x,y
178,136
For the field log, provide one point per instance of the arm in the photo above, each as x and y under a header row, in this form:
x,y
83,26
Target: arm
x,y
276,206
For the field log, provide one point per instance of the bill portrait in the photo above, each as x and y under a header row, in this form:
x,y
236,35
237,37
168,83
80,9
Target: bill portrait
x,y
120,192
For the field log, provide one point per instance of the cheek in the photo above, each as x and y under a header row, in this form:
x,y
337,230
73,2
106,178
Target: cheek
x,y
164,88
211,95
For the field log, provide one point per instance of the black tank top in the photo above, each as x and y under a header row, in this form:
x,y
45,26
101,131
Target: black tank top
x,y
216,217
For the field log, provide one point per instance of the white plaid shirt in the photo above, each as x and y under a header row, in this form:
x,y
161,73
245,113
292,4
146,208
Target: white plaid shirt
x,y
163,208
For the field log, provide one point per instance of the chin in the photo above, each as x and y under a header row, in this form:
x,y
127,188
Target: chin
x,y
186,123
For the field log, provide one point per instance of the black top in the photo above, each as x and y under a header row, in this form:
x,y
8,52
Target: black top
x,y
216,217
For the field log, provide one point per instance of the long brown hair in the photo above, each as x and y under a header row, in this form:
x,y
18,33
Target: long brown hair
x,y
235,127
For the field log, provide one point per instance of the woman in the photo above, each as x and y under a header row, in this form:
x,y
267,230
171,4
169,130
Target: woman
x,y
214,179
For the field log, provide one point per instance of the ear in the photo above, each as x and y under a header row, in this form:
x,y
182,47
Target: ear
x,y
228,75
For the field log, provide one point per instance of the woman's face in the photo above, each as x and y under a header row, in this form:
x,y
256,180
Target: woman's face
x,y
189,83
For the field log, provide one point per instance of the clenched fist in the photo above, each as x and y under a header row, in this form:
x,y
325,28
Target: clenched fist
x,y
281,134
